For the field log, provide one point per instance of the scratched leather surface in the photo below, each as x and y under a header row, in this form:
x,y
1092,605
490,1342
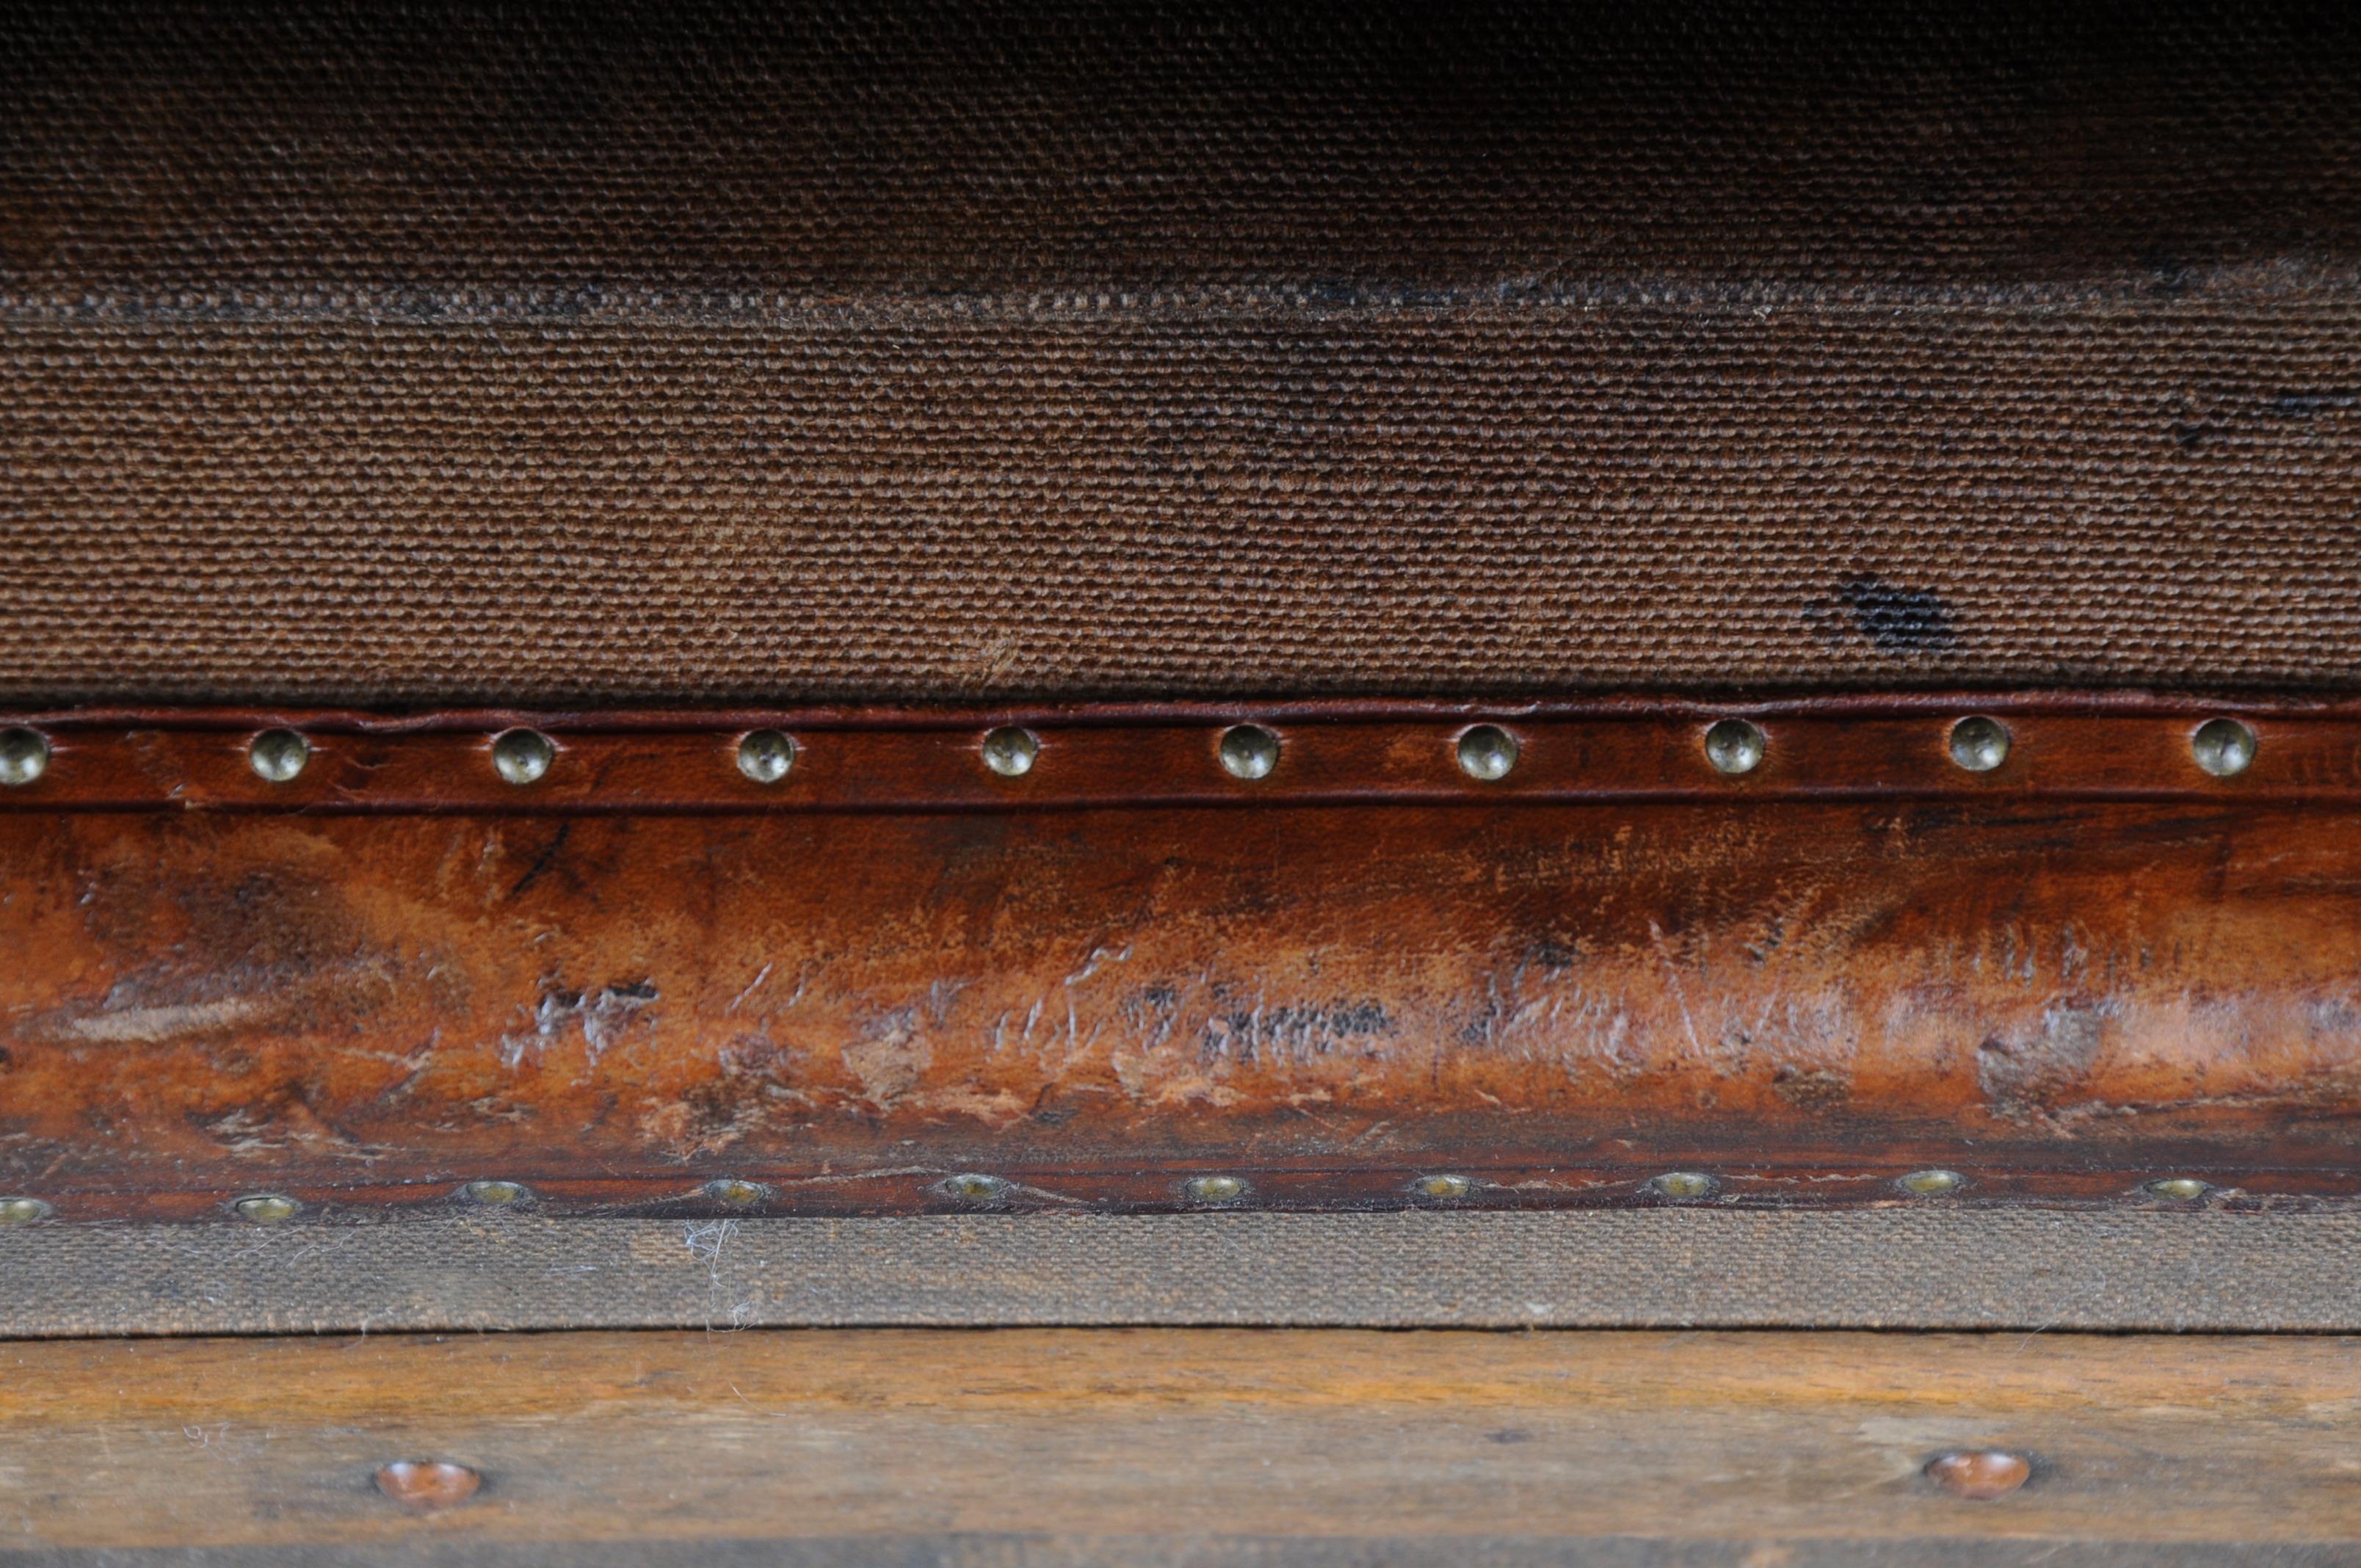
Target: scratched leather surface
x,y
721,350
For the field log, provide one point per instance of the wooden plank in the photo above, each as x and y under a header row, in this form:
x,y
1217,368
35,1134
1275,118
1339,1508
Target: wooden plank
x,y
1201,1434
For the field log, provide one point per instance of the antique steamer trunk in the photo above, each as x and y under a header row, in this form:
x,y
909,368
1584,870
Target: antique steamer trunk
x,y
1240,692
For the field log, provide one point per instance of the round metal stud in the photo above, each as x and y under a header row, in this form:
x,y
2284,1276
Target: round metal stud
x,y
1214,1189
1931,1183
24,756
2180,1188
522,756
1980,744
1682,1184
974,1186
1442,1186
1487,752
498,1194
267,1207
1979,1474
1249,752
736,1191
2223,746
766,756
428,1483
1009,752
277,755
23,1211
1734,746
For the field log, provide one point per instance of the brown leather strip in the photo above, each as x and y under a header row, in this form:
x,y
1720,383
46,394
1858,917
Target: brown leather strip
x,y
2061,746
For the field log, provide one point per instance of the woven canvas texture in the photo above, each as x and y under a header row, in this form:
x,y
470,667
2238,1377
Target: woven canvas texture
x,y
1895,1268
412,353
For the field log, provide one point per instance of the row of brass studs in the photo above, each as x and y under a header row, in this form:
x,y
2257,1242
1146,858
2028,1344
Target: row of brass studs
x,y
2223,746
979,1189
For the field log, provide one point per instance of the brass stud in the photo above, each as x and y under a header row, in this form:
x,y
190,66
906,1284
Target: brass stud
x,y
1682,1184
1443,1186
974,1186
498,1194
1980,744
1009,752
1249,752
2223,746
1734,746
1931,1183
765,755
2180,1188
1981,1475
1487,752
24,1211
24,756
428,1483
522,756
267,1208
277,755
736,1191
1214,1189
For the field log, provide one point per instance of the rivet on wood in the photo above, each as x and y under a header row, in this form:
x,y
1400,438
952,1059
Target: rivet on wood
x,y
522,756
277,755
428,1483
24,756
267,1207
1009,752
1487,752
1734,746
2180,1188
736,1191
976,1186
23,1211
1980,1475
1980,744
498,1194
2223,746
766,756
1931,1183
1214,1189
1249,752
1443,1186
1682,1184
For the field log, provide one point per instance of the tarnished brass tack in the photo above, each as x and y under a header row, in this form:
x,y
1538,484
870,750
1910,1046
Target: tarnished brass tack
x,y
1980,744
1249,752
765,755
267,1207
428,1483
1682,1184
1010,751
277,755
1216,1188
498,1194
23,1211
736,1191
976,1186
2223,746
1487,752
1734,746
2180,1188
1931,1183
1979,1474
522,756
1443,1186
24,756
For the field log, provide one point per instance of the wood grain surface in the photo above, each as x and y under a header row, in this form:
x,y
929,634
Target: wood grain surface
x,y
1197,1434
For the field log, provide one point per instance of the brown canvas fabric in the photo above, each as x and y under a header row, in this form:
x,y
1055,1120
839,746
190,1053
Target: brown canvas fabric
x,y
452,353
